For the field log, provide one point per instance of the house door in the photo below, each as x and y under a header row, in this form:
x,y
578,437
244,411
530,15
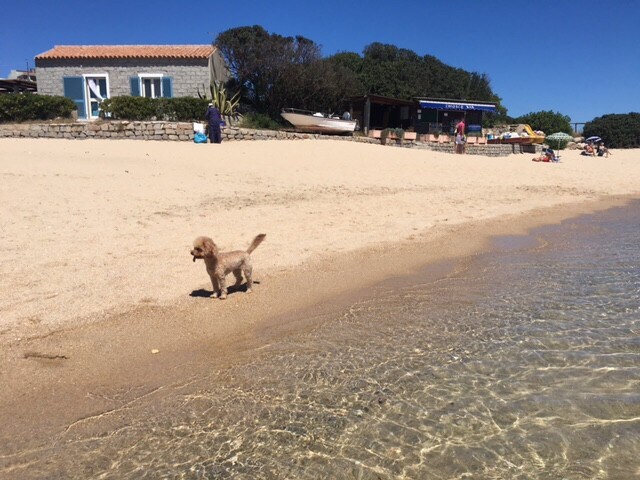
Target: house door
x,y
96,92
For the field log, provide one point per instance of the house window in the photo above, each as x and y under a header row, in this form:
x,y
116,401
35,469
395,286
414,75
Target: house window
x,y
151,86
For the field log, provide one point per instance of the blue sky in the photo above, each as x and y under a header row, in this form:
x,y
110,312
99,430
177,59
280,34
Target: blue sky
x,y
580,58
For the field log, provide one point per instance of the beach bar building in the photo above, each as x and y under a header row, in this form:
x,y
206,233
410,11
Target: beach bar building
x,y
441,115
424,115
88,74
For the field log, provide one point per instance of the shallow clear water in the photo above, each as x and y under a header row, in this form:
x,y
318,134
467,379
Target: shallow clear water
x,y
524,363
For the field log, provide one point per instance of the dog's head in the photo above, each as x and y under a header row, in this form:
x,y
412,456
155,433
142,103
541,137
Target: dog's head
x,y
203,247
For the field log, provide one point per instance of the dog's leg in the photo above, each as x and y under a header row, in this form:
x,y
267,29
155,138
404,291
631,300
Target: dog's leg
x,y
214,285
247,269
238,274
223,287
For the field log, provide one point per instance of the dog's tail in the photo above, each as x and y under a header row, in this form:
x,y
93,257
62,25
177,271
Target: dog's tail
x,y
256,241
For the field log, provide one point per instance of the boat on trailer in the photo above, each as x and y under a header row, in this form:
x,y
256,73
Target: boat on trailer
x,y
306,121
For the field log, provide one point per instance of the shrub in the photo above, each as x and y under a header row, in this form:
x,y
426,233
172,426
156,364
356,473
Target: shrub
x,y
129,108
547,121
21,107
558,144
181,109
616,130
259,121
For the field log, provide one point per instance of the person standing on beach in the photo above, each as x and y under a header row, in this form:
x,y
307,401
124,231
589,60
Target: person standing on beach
x,y
460,141
215,119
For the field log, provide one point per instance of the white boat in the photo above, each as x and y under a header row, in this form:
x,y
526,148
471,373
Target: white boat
x,y
306,121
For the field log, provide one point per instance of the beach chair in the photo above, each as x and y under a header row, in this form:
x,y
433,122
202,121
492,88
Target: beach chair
x,y
482,140
444,139
432,138
471,140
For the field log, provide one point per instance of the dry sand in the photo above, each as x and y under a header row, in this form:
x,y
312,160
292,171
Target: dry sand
x,y
94,228
96,276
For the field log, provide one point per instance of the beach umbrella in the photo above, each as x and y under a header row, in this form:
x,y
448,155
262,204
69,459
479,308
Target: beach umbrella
x,y
558,139
593,140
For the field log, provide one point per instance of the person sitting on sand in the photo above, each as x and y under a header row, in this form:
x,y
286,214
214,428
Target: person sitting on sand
x,y
588,150
548,155
602,150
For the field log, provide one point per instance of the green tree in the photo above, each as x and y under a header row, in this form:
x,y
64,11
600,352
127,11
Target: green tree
x,y
273,71
390,71
547,121
312,86
258,61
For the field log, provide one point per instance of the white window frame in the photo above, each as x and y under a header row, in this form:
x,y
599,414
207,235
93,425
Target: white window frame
x,y
87,97
143,76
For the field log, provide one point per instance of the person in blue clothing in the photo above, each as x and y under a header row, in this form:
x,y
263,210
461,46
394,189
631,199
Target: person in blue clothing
x,y
215,119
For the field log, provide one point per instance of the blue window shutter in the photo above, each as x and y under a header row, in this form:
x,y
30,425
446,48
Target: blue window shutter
x,y
135,86
167,87
74,89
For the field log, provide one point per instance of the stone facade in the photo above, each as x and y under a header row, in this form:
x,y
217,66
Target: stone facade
x,y
188,74
183,131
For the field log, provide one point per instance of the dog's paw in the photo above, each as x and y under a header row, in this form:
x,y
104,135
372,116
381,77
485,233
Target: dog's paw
x,y
223,296
214,295
249,290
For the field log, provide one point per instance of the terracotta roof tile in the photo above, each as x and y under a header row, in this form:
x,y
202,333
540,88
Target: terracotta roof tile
x,y
128,51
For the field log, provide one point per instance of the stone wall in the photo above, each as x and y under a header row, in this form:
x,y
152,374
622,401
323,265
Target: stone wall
x,y
176,131
183,131
486,150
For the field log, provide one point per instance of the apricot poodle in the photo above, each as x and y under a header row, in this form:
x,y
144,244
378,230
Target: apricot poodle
x,y
220,264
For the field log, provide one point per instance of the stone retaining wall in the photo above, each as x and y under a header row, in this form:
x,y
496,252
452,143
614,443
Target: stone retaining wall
x,y
183,131
176,131
486,150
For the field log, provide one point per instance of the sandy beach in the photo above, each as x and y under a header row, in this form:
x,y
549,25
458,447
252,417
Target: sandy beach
x,y
94,228
95,265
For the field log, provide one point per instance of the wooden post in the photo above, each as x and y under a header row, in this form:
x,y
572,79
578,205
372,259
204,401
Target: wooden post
x,y
367,115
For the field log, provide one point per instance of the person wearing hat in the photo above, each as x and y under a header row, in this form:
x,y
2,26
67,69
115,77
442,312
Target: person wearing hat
x,y
215,119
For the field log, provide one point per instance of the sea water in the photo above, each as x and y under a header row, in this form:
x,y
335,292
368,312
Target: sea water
x,y
522,363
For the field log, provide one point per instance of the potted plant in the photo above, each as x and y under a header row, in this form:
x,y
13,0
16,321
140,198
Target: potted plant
x,y
410,135
373,133
387,134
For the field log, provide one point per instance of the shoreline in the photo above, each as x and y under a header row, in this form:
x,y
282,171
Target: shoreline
x,y
197,334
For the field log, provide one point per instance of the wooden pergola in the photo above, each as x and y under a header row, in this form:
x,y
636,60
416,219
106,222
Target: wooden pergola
x,y
17,86
377,111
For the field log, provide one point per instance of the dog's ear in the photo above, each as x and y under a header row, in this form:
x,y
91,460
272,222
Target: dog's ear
x,y
209,249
